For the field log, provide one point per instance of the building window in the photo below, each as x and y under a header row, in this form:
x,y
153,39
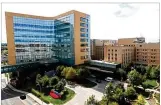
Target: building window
x,y
82,24
154,49
82,29
109,50
140,45
82,19
115,54
82,57
115,50
83,35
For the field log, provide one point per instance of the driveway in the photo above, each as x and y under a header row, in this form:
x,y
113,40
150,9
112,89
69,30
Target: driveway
x,y
82,94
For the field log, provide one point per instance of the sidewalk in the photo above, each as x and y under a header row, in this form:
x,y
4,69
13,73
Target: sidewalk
x,y
151,90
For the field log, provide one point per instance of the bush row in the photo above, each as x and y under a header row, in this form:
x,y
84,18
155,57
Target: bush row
x,y
44,99
38,94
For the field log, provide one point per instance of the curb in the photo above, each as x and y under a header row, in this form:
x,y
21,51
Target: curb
x,y
16,89
29,95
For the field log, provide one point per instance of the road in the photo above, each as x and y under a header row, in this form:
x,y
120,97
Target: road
x,y
10,97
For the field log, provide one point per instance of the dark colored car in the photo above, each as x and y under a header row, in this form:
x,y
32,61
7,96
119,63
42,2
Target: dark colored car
x,y
22,97
98,80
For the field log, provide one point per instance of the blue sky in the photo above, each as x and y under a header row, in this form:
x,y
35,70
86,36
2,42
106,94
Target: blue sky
x,y
108,21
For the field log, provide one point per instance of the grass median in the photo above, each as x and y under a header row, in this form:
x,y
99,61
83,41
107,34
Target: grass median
x,y
48,99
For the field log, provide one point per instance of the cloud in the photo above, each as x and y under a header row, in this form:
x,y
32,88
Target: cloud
x,y
126,10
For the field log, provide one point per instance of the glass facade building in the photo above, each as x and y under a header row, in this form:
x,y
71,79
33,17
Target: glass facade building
x,y
36,39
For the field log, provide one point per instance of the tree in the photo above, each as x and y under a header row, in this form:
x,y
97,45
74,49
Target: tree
x,y
71,74
121,73
64,71
109,91
117,93
141,69
140,100
82,73
134,77
13,75
127,67
148,71
54,80
59,87
63,81
145,85
38,78
45,81
113,103
59,69
130,93
155,73
113,93
91,101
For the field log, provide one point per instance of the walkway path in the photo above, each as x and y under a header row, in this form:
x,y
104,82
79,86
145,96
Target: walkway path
x,y
151,90
82,94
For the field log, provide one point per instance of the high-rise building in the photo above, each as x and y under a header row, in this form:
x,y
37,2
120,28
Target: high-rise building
x,y
65,37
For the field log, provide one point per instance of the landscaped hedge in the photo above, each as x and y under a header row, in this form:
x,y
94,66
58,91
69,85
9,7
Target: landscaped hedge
x,y
44,99
36,93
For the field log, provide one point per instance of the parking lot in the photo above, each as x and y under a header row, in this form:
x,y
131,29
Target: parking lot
x,y
82,93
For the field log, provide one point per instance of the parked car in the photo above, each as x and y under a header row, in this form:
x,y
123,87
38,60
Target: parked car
x,y
109,79
22,97
55,94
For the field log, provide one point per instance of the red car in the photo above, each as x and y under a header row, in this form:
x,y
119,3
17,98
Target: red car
x,y
55,94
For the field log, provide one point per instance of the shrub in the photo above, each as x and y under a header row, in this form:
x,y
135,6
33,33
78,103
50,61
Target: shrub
x,y
130,93
53,81
71,74
36,93
44,99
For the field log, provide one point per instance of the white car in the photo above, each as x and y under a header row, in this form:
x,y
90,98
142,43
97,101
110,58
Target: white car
x,y
108,79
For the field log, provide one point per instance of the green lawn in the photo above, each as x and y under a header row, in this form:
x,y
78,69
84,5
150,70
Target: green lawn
x,y
70,94
66,97
151,83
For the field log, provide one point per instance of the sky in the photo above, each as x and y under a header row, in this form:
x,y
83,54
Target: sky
x,y
108,20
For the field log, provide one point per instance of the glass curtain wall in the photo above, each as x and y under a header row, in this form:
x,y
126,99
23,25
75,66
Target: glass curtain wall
x,y
64,39
33,39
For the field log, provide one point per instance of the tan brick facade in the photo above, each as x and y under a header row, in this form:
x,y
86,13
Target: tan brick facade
x,y
119,54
